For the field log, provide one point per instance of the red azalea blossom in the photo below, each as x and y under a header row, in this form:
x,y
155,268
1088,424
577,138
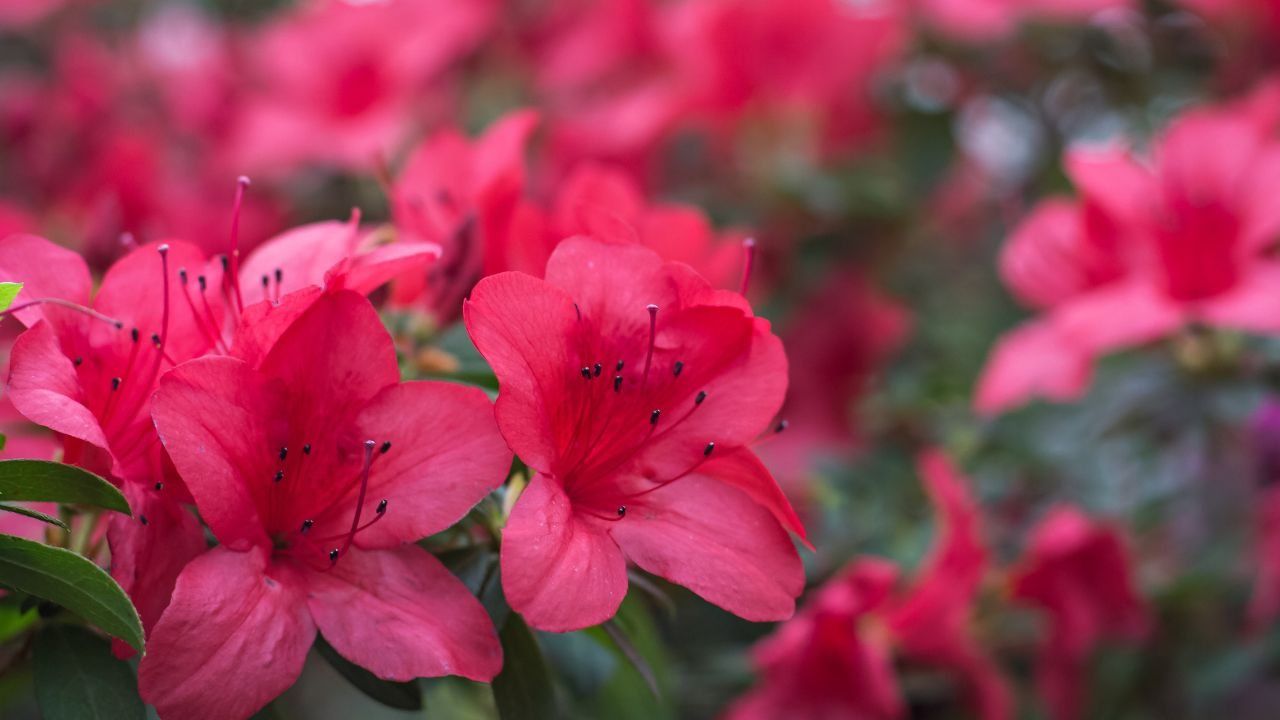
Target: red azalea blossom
x,y
835,659
1077,570
1148,251
316,470
633,389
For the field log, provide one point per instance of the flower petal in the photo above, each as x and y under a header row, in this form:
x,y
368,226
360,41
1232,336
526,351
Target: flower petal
x,y
233,638
717,542
401,615
219,421
46,270
446,455
560,571
44,387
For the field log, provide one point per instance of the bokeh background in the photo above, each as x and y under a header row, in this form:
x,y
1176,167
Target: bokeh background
x,y
880,153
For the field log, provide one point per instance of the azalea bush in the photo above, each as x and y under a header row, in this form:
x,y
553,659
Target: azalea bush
x,y
639,358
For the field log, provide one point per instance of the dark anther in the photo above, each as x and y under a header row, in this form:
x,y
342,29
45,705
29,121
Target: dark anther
x,y
203,283
279,276
159,486
386,446
702,395
225,262
382,506
306,449
586,373
653,417
306,525
618,367
155,339
617,383
142,519
597,369
119,325
782,425
578,310
284,452
707,452
77,361
182,275
133,334
266,281
622,510
115,383
677,368
279,475
333,555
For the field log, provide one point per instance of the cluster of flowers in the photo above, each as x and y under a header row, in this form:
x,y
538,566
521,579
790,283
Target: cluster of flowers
x,y
246,396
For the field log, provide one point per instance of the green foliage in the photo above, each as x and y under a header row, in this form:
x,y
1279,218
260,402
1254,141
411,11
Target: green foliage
x,y
44,481
77,677
399,695
524,689
68,579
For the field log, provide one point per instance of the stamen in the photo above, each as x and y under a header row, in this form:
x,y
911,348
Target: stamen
x,y
364,488
578,310
306,525
164,288
78,361
306,449
782,425
653,417
710,447
142,519
749,246
233,277
134,335
284,452
702,395
159,486
115,384
617,383
653,328
66,304
677,368
382,507
618,367
279,283
210,335
596,370
586,373
386,446
266,288
333,555
622,511
279,475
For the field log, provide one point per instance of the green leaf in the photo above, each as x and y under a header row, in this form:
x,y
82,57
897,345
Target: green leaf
x,y
3,440
523,690
28,512
15,617
71,581
44,481
399,695
78,677
8,291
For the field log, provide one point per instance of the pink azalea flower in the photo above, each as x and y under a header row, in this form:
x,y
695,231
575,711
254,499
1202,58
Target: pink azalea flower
x,y
316,470
633,390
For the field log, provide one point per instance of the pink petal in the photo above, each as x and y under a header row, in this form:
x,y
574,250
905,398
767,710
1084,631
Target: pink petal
x,y
741,469
518,323
1032,360
717,542
219,420
233,638
1118,316
560,571
46,271
401,615
446,455
146,559
44,387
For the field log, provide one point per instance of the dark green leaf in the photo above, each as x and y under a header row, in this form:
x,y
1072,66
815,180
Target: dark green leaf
x,y
77,677
15,616
584,661
399,695
3,440
523,689
633,656
44,481
71,581
28,512
8,291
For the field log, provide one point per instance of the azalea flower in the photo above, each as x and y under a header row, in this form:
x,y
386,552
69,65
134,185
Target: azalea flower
x,y
835,659
316,470
633,390
1149,250
342,83
1077,570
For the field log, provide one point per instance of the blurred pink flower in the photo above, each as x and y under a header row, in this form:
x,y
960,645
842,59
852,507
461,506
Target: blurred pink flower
x,y
835,658
1077,570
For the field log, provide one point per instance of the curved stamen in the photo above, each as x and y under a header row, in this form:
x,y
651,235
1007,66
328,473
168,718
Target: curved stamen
x,y
653,328
364,488
66,304
749,247
233,275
